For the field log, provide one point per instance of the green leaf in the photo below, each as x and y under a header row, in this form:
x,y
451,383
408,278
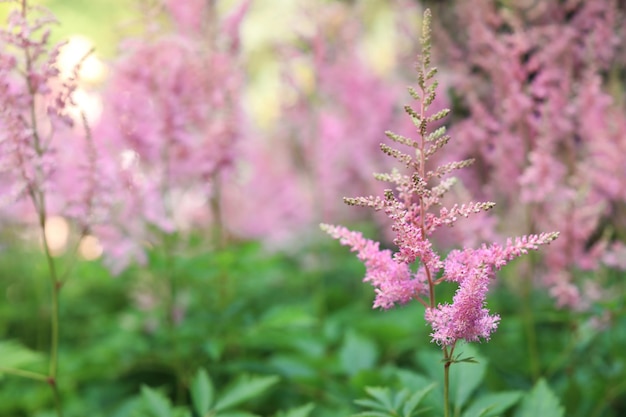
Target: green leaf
x,y
430,361
15,355
371,404
483,412
469,359
414,401
284,316
382,395
541,401
372,414
244,389
357,353
302,411
158,405
236,414
466,376
400,398
202,392
182,411
417,382
491,405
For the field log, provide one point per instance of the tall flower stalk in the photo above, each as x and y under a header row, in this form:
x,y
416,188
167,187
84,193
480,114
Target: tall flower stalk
x,y
415,208
37,134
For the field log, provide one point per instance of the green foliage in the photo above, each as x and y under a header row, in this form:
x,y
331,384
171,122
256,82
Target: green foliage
x,y
155,403
303,317
386,403
541,401
491,405
13,355
204,403
357,353
245,388
202,392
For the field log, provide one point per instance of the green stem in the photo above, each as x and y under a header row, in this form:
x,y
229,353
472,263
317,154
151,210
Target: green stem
x,y
57,397
54,314
446,389
178,367
55,288
24,374
447,357
35,190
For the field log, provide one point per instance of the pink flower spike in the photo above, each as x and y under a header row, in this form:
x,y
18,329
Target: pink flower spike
x,y
393,280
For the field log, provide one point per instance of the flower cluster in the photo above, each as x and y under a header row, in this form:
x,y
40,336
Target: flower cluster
x,y
542,121
172,122
48,161
412,208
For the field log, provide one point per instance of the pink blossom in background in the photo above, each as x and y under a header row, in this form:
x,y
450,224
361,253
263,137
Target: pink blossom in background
x,y
189,15
546,133
267,199
171,121
332,128
49,163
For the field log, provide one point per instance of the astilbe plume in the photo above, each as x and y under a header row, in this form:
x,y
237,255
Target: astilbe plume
x,y
416,211
172,119
49,164
545,130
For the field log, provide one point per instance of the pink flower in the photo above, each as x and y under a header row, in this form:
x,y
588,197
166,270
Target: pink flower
x,y
418,189
473,269
393,280
172,120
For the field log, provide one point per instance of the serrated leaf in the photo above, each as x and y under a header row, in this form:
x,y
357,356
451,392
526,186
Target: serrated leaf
x,y
357,353
399,399
202,392
374,405
302,411
416,382
541,401
15,355
430,361
482,412
413,381
372,414
491,405
414,400
236,414
244,389
382,395
157,404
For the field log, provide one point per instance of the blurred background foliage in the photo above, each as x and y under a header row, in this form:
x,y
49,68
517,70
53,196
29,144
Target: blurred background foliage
x,y
299,313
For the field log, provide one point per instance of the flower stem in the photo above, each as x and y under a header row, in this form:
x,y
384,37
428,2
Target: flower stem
x,y
54,314
447,357
36,192
57,396
446,389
